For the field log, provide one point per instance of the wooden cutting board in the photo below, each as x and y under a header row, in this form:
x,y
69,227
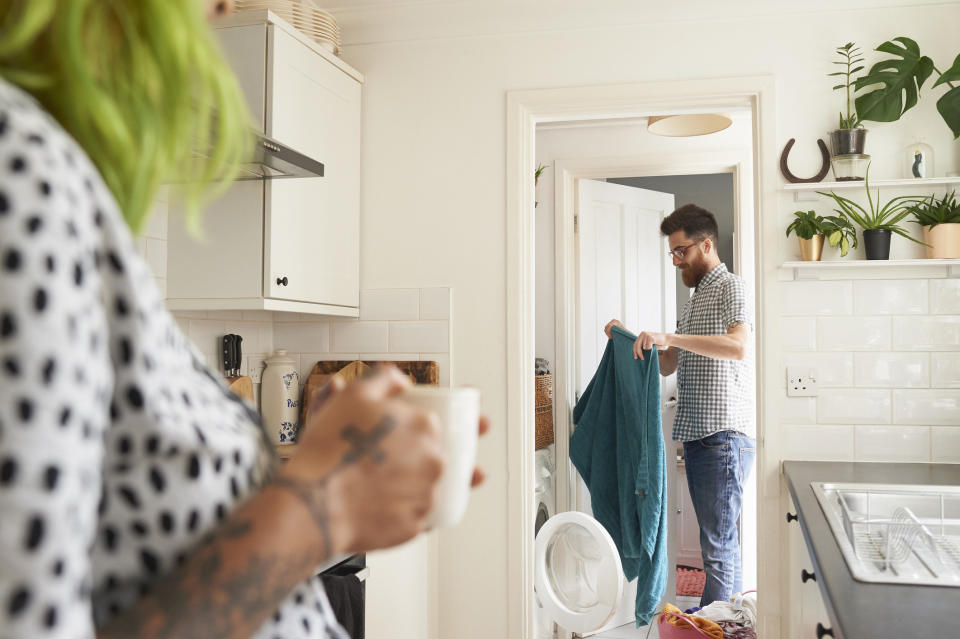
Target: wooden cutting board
x,y
418,372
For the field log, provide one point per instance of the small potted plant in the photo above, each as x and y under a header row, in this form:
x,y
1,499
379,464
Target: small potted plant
x,y
807,226
878,222
940,219
536,178
848,140
840,232
811,230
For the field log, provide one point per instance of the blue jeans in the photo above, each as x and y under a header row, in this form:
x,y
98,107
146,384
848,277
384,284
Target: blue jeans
x,y
717,468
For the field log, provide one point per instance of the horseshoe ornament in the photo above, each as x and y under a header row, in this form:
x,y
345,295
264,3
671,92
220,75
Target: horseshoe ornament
x,y
824,168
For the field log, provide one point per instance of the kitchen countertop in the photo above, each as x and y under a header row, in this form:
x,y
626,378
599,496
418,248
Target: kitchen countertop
x,y
861,610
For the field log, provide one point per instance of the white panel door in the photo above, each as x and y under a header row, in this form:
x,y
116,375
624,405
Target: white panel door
x,y
624,273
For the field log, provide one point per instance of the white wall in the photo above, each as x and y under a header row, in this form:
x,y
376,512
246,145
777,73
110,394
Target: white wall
x,y
434,182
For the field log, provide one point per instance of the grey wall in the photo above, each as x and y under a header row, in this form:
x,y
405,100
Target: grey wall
x,y
713,192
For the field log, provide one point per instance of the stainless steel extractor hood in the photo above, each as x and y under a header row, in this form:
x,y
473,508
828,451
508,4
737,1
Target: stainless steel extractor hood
x,y
273,160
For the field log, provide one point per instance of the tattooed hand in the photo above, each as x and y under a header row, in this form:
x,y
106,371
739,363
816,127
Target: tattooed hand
x,y
366,466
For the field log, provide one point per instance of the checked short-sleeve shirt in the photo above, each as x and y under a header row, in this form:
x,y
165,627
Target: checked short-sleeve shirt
x,y
714,394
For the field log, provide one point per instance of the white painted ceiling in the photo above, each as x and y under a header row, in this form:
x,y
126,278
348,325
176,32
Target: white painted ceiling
x,y
375,21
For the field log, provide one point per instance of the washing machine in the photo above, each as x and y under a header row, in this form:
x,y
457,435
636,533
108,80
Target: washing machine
x,y
578,579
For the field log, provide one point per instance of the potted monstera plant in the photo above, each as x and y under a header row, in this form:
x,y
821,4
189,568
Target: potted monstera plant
x,y
879,223
940,219
892,86
812,229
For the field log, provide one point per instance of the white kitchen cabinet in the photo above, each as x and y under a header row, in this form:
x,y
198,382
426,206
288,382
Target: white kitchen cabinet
x,y
289,244
688,530
805,607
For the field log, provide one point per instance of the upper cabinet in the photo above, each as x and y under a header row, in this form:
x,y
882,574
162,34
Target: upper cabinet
x,y
289,244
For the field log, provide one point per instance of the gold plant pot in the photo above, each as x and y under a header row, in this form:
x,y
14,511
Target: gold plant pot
x,y
810,250
945,240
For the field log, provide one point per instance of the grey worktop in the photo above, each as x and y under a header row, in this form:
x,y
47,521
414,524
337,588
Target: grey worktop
x,y
857,609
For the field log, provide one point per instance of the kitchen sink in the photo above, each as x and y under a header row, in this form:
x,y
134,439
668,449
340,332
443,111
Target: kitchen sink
x,y
892,533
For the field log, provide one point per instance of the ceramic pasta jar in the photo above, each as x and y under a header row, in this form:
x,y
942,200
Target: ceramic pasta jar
x,y
280,398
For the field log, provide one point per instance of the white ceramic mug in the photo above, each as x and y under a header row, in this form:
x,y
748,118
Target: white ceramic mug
x,y
458,410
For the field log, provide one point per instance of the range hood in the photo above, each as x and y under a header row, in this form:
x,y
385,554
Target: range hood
x,y
271,160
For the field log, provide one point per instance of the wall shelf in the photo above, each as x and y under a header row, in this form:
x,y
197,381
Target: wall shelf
x,y
858,184
870,269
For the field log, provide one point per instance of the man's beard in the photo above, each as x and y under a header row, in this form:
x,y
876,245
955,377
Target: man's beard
x,y
692,274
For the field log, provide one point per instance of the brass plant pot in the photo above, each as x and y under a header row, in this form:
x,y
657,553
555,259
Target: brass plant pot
x,y
945,239
810,250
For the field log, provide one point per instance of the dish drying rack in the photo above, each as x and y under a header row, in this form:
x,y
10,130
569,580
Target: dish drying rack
x,y
923,530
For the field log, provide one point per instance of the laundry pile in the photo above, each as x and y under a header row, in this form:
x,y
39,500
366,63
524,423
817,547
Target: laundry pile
x,y
733,619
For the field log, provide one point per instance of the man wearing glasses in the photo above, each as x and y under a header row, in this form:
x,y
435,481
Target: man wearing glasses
x,y
714,420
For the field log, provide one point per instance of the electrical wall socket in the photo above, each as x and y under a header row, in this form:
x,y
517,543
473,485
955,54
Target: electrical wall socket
x,y
801,381
255,366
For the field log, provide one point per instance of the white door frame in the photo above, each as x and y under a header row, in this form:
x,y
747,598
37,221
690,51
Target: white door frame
x,y
566,173
525,109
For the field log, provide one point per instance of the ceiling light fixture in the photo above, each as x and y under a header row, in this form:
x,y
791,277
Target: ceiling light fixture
x,y
687,125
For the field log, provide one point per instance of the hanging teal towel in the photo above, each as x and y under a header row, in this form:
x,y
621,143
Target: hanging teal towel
x,y
617,447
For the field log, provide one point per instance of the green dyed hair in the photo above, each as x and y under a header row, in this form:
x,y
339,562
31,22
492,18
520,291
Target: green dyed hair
x,y
140,84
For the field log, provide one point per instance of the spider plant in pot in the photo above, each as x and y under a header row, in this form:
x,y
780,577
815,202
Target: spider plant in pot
x,y
940,219
849,137
811,230
878,222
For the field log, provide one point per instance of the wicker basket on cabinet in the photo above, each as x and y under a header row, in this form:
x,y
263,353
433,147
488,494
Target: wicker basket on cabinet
x,y
543,408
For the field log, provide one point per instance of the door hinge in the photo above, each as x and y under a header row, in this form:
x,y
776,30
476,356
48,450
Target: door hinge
x,y
576,223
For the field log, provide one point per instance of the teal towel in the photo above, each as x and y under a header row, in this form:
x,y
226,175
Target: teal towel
x,y
617,447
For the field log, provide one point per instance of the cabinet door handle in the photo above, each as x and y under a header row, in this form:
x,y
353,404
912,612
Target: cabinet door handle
x,y
807,576
821,631
282,281
791,517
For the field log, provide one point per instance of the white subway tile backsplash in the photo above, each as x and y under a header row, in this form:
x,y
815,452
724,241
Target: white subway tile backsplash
x,y
827,443
362,337
926,333
936,407
892,443
945,370
443,363
257,316
853,406
832,369
798,333
892,370
300,337
392,357
798,410
945,444
207,336
945,296
817,298
191,314
156,225
889,297
250,332
435,303
390,304
853,333
420,337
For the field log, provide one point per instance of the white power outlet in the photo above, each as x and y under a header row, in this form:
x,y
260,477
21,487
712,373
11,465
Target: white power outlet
x,y
801,381
255,366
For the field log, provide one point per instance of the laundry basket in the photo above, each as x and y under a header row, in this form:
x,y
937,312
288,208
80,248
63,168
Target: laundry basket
x,y
543,407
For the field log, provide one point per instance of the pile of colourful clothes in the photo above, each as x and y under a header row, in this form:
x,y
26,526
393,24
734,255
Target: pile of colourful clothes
x,y
733,619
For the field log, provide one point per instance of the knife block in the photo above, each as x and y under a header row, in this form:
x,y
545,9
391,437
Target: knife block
x,y
242,386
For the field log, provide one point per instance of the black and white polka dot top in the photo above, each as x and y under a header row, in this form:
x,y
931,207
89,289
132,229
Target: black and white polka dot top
x,y
119,450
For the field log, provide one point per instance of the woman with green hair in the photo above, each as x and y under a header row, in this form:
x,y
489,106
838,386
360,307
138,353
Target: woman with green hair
x,y
138,496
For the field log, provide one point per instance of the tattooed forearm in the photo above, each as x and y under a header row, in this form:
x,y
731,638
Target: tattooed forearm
x,y
313,495
213,594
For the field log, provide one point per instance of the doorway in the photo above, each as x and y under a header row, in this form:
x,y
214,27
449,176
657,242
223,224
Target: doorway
x,y
526,110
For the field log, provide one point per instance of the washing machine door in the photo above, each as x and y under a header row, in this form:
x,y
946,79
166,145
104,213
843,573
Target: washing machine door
x,y
577,572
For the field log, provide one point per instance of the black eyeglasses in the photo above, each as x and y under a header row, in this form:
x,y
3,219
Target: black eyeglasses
x,y
680,251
